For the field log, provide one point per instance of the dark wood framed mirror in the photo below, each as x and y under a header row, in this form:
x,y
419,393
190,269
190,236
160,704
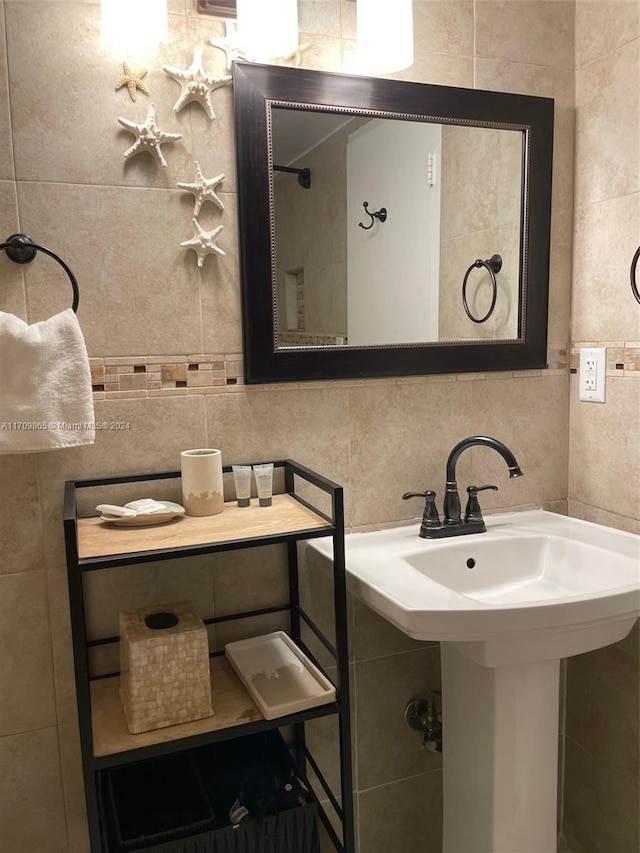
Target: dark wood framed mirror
x,y
406,284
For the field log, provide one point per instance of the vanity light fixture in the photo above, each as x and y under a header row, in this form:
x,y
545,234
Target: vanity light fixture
x,y
385,36
267,31
133,29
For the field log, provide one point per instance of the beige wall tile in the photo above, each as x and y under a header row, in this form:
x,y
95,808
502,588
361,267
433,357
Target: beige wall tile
x,y
511,412
560,276
445,26
607,120
25,667
107,594
603,707
6,148
600,807
61,647
319,16
348,19
317,600
20,524
602,26
12,298
441,69
250,579
387,748
601,516
611,480
401,436
402,816
152,302
73,787
31,800
375,637
535,79
220,286
324,53
310,426
539,31
603,307
65,112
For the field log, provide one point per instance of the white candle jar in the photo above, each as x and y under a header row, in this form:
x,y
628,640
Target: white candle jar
x,y
202,488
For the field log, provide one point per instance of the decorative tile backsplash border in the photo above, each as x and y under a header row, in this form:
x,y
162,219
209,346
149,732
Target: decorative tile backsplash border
x,y
164,375
213,373
623,358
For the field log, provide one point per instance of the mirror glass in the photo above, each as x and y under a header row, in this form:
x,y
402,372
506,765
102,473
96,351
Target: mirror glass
x,y
452,195
389,228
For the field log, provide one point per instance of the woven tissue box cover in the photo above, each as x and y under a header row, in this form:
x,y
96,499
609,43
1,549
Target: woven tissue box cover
x,y
165,676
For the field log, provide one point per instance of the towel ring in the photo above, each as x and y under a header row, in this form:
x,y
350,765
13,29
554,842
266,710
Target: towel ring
x,y
22,250
493,266
632,274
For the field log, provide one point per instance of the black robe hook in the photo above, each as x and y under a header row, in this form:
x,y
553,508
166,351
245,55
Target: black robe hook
x,y
379,214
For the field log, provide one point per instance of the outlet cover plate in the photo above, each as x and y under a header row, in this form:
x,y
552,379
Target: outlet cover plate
x,y
593,368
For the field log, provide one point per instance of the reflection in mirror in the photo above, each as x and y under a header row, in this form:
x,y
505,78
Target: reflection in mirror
x,y
452,195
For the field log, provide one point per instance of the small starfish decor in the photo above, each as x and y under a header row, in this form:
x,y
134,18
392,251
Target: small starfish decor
x,y
203,189
132,80
295,56
229,44
204,242
196,84
148,136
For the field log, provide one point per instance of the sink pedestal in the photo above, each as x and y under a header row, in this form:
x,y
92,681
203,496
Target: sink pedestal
x,y
500,755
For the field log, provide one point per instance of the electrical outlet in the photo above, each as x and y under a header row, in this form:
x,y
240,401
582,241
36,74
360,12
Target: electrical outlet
x,y
593,368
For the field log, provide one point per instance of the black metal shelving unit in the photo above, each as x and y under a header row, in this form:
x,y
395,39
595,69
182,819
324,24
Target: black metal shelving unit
x,y
83,556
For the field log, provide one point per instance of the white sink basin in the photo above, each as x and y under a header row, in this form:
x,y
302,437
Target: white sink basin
x,y
506,605
555,586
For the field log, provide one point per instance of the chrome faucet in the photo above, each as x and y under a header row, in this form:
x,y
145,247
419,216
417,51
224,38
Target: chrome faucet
x,y
453,524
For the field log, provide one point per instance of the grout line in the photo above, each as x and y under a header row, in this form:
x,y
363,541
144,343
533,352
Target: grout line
x,y
403,779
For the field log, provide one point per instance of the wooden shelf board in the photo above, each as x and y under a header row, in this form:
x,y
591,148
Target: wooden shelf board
x,y
97,538
231,703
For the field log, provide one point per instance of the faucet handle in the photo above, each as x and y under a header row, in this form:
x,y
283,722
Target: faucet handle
x,y
430,517
473,511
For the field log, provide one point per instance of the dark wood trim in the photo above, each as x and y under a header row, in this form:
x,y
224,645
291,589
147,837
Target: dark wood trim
x,y
219,8
254,87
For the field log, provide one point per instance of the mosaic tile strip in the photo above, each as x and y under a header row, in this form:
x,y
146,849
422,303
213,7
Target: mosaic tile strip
x,y
309,339
212,373
623,357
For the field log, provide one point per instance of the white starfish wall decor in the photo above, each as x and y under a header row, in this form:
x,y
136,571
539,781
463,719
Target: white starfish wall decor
x,y
229,44
148,136
204,242
196,84
203,189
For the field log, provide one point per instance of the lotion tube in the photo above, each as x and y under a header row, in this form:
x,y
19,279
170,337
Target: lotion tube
x,y
242,480
264,482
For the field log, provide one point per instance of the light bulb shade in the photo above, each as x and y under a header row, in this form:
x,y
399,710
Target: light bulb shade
x,y
385,36
133,27
267,30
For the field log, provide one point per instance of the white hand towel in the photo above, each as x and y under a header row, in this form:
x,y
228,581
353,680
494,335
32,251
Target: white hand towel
x,y
46,400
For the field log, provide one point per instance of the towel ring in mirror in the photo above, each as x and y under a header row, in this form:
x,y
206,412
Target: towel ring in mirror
x,y
493,265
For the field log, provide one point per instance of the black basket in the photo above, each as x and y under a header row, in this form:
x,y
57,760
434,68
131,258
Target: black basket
x,y
155,800
180,803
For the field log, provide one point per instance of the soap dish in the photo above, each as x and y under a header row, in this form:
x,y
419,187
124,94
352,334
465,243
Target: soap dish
x,y
144,519
278,675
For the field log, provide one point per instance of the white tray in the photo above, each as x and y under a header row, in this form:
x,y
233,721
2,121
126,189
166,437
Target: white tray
x,y
280,678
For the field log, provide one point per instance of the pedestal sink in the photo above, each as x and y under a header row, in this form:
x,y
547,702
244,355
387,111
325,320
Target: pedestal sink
x,y
506,606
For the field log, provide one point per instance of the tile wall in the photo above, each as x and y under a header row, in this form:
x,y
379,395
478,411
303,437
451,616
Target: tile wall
x,y
64,181
602,758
